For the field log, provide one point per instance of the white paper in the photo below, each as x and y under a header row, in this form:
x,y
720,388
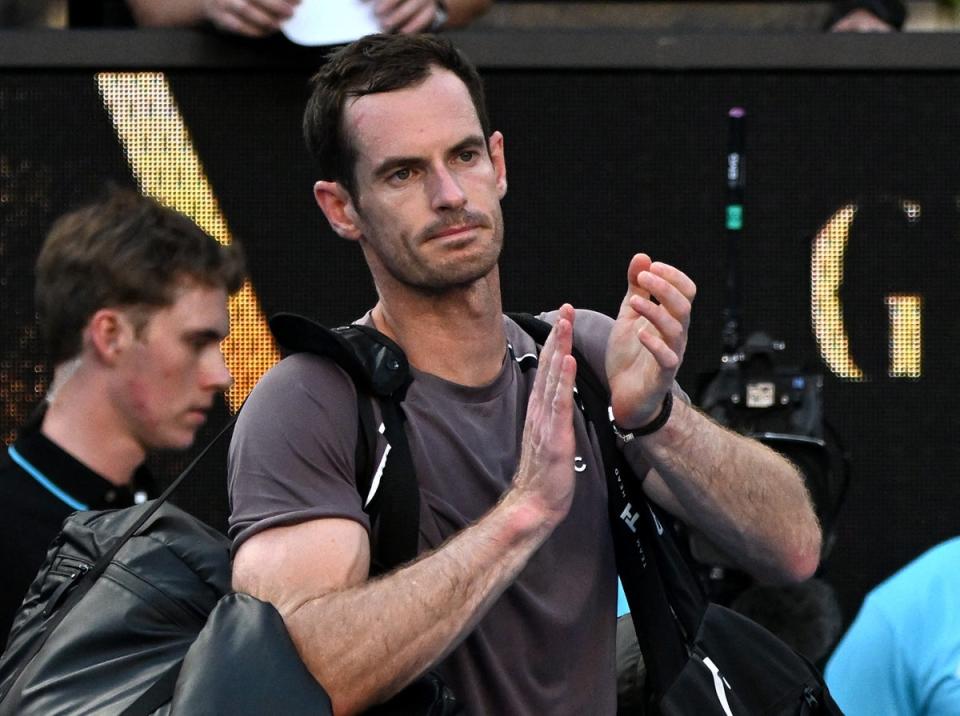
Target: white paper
x,y
330,22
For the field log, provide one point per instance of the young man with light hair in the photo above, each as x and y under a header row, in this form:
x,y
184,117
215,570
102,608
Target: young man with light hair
x,y
132,302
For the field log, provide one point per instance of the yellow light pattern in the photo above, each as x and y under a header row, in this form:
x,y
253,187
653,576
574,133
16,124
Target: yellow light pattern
x,y
905,312
166,166
912,210
826,308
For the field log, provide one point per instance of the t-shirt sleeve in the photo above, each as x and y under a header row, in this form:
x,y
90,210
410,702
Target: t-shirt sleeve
x,y
867,674
292,455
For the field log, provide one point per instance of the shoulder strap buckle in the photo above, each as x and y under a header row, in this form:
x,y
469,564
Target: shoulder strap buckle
x,y
373,361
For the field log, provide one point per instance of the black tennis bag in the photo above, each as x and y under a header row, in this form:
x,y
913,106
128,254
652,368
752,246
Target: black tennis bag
x,y
69,653
131,614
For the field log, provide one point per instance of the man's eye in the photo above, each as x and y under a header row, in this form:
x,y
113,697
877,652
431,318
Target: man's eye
x,y
401,175
468,155
200,343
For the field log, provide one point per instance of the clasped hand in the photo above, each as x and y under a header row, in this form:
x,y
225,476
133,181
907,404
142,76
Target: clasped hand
x,y
546,458
649,337
258,18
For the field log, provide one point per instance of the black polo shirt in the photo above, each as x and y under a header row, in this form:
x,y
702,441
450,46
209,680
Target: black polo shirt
x,y
40,484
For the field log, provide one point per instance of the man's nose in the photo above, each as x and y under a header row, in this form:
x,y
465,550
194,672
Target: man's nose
x,y
447,191
216,375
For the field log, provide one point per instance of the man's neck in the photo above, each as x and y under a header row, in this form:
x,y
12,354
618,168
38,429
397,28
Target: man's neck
x,y
457,336
81,421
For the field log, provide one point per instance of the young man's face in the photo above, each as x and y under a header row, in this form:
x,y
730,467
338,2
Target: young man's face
x,y
427,202
168,377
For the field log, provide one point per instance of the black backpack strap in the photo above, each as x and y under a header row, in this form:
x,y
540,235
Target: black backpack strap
x,y
665,599
374,362
395,507
366,450
379,370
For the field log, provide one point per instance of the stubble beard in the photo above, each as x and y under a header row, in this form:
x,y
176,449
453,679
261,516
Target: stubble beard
x,y
432,279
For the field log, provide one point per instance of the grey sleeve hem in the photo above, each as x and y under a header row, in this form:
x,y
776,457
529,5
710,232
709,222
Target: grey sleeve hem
x,y
288,519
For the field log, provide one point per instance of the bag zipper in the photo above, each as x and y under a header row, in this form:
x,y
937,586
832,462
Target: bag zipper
x,y
72,578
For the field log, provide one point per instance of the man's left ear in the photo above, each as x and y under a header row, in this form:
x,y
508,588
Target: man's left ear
x,y
338,206
495,147
107,334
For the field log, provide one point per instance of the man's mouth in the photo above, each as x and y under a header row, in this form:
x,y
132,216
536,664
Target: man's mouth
x,y
454,231
200,413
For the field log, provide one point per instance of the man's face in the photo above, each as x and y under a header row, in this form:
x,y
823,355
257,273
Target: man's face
x,y
427,203
173,368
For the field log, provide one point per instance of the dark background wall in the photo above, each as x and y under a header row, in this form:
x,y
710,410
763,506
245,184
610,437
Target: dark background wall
x,y
602,162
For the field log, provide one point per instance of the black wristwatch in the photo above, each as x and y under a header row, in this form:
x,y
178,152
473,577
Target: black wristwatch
x,y
651,427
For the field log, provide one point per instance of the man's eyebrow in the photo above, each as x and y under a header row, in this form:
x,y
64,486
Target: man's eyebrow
x,y
209,335
390,163
470,142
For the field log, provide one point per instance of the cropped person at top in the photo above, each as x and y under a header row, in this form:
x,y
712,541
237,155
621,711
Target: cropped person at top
x,y
259,18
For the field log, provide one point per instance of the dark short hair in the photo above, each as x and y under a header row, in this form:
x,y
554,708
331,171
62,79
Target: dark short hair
x,y
373,64
125,250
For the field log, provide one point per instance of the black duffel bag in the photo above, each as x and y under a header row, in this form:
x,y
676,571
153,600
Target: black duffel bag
x,y
125,600
760,673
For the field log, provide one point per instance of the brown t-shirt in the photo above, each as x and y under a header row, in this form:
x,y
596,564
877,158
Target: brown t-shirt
x,y
547,646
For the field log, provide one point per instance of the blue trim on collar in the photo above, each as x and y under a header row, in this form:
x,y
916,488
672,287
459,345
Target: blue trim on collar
x,y
43,480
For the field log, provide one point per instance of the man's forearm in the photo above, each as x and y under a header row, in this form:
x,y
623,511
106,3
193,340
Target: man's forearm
x,y
462,12
365,640
365,643
170,13
747,499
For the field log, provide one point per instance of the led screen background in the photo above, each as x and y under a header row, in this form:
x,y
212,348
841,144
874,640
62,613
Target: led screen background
x,y
601,163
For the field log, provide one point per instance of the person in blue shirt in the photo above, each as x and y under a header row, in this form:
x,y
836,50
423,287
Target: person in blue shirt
x,y
901,655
